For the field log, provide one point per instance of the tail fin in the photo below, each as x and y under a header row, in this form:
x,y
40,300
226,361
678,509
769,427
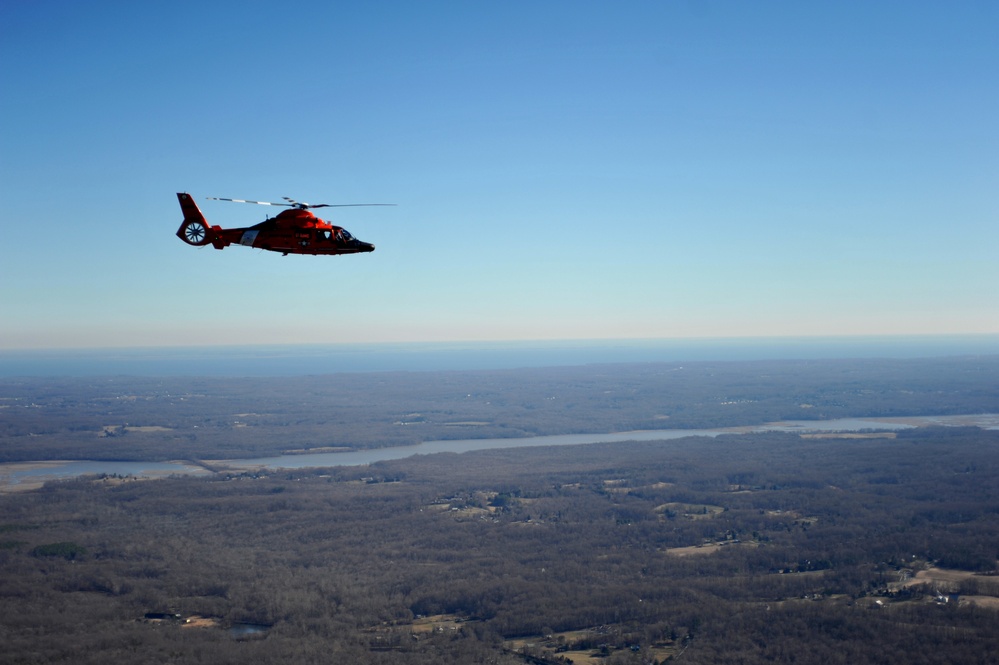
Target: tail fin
x,y
190,209
194,230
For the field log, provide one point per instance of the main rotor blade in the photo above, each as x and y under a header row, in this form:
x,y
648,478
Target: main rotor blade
x,y
292,203
260,203
349,205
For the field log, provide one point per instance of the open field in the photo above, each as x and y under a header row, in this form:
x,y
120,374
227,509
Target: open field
x,y
691,511
564,645
707,548
949,581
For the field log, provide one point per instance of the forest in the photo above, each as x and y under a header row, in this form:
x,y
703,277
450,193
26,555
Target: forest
x,y
755,548
197,418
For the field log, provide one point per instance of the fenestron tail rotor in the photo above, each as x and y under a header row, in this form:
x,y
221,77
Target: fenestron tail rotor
x,y
195,233
301,205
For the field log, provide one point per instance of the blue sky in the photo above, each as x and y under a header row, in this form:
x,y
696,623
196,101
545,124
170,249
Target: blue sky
x,y
563,170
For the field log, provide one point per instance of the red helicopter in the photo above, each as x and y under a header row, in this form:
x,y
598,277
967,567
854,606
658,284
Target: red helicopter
x,y
294,231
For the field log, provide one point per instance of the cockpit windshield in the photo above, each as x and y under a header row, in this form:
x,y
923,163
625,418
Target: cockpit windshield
x,y
344,235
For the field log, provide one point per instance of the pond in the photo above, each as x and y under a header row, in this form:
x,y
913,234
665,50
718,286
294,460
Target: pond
x,y
243,631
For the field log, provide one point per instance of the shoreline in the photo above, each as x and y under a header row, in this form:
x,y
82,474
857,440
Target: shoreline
x,y
29,475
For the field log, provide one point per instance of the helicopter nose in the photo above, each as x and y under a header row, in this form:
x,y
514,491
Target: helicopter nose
x,y
367,247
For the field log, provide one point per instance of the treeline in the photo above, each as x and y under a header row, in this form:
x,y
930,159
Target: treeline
x,y
751,548
134,418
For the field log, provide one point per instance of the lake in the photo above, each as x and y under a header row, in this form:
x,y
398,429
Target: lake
x,y
306,359
26,475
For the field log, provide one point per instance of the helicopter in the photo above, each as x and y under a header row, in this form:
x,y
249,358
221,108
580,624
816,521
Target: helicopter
x,y
293,231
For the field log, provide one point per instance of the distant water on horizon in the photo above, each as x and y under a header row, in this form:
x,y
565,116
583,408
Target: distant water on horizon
x,y
302,360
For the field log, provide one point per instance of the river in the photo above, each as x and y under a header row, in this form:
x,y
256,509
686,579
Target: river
x,y
29,475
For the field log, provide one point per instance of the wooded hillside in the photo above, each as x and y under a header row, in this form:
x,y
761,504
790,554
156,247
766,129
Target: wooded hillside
x,y
754,548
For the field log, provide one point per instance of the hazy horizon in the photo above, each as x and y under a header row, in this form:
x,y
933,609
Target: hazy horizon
x,y
301,359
